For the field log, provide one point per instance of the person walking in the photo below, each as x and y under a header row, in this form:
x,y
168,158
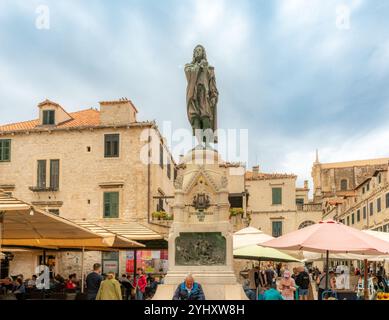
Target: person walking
x,y
140,284
303,282
287,286
270,275
189,290
93,281
109,289
321,281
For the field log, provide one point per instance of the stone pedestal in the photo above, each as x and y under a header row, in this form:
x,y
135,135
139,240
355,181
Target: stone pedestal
x,y
200,238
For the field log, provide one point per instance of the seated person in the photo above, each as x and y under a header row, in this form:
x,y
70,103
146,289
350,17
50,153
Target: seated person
x,y
31,283
189,290
19,289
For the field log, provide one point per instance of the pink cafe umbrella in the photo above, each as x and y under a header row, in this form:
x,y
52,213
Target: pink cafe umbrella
x,y
331,236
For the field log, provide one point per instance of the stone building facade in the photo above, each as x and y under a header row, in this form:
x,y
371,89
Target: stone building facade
x,y
341,178
276,205
367,208
90,165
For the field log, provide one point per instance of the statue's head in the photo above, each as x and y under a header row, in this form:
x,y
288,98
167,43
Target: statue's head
x,y
199,53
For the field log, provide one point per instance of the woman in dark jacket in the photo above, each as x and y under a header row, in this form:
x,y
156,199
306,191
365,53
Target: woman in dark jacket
x,y
189,290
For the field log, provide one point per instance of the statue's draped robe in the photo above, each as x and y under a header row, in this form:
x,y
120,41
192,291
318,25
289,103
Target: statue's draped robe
x,y
199,103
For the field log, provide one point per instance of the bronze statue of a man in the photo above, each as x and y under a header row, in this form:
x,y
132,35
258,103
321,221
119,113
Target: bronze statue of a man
x,y
201,93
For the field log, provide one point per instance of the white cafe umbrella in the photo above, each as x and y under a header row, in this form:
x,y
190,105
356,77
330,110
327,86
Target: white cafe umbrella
x,y
249,236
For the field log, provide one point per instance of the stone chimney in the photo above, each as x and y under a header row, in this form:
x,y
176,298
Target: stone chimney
x,y
306,184
118,112
255,172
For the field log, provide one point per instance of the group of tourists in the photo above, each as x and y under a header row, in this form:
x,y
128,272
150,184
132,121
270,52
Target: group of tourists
x,y
269,283
97,286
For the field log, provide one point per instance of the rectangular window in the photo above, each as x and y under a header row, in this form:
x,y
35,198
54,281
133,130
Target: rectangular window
x,y
371,208
111,145
175,173
363,190
358,215
49,117
277,195
41,174
111,204
168,170
352,219
364,212
387,200
161,155
348,220
277,228
379,178
300,201
379,205
368,187
54,174
5,150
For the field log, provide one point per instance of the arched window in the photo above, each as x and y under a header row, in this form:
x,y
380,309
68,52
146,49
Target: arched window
x,y
306,224
343,185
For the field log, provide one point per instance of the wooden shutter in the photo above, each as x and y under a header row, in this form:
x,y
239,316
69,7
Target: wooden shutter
x,y
5,150
111,204
276,195
111,145
41,175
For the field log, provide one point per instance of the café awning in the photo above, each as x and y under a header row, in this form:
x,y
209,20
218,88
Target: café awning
x,y
25,225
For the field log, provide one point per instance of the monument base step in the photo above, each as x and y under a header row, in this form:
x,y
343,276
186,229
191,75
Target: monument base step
x,y
210,277
211,292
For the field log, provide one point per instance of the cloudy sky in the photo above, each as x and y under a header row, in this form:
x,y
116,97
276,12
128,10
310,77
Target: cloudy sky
x,y
300,75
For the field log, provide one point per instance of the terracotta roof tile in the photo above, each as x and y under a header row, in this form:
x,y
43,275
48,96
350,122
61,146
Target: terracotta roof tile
x,y
83,118
268,176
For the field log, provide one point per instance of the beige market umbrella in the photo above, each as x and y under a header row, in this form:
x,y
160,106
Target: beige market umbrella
x,y
260,253
25,226
249,236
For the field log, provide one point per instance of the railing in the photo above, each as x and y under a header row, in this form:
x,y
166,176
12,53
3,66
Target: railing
x,y
42,189
309,207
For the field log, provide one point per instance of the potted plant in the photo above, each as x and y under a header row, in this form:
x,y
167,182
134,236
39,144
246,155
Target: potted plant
x,y
235,214
156,215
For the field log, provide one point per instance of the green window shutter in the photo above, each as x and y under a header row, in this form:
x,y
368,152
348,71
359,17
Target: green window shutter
x,y
358,215
52,117
5,150
111,145
41,174
107,206
111,204
276,228
49,117
277,195
387,200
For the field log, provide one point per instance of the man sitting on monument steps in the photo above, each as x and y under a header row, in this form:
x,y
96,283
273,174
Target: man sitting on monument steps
x,y
189,290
